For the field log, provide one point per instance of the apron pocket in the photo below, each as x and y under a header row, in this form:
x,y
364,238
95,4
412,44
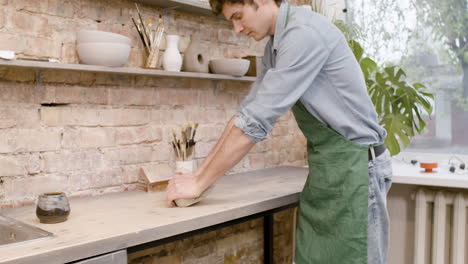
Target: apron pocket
x,y
325,178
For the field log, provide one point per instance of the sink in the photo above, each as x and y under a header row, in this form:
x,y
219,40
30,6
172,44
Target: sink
x,y
13,231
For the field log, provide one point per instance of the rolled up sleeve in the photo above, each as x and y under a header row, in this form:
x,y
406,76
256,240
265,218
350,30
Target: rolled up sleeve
x,y
301,54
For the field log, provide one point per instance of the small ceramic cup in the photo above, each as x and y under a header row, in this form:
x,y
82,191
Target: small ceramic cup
x,y
52,208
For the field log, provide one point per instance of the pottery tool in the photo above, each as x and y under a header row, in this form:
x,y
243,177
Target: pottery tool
x,y
191,136
141,35
144,31
143,25
159,33
150,32
156,37
184,147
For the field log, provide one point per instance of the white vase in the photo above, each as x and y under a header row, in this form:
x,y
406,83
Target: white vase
x,y
172,60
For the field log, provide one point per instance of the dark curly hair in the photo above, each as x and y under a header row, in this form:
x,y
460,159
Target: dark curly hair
x,y
217,5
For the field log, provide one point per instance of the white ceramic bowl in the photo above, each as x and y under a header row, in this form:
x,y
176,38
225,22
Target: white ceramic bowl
x,y
86,36
236,67
103,54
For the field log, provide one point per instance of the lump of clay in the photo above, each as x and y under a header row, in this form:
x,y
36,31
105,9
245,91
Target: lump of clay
x,y
189,202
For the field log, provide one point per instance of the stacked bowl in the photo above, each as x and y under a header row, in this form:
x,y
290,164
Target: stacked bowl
x,y
236,67
102,48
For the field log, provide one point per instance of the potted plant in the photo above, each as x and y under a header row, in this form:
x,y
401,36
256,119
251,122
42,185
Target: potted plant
x,y
400,105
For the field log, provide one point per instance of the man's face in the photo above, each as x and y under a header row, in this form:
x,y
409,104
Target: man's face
x,y
252,20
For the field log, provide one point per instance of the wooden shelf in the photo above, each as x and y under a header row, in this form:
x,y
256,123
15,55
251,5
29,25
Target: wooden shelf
x,y
189,6
41,65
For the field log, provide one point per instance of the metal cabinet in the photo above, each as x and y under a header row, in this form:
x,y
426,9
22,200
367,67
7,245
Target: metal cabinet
x,y
117,257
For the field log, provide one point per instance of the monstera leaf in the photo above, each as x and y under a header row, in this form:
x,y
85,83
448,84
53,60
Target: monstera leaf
x,y
398,125
399,104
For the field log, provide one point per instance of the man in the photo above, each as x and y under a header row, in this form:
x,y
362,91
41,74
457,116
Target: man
x,y
310,69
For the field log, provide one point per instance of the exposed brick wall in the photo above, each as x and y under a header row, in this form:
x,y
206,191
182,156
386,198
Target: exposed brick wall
x,y
88,134
92,139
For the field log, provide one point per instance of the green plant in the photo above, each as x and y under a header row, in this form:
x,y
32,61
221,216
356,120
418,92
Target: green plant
x,y
399,104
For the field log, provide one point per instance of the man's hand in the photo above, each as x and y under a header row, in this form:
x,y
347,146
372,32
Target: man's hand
x,y
183,185
230,149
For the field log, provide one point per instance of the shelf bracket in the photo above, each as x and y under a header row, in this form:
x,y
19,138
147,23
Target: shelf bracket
x,y
39,79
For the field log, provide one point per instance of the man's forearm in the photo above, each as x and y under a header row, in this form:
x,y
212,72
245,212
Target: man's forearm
x,y
218,144
230,149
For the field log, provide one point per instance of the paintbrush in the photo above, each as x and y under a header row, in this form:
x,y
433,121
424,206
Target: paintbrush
x,y
150,32
174,135
176,151
184,147
140,34
194,131
188,132
142,24
191,141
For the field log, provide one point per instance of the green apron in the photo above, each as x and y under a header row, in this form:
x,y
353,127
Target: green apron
x,y
332,227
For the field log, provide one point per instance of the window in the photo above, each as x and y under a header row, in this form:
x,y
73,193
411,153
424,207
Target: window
x,y
428,39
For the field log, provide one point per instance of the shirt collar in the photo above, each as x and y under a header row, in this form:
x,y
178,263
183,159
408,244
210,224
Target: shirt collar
x,y
281,21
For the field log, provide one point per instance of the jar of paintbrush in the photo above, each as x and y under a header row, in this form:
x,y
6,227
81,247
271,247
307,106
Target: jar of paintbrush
x,y
184,147
151,36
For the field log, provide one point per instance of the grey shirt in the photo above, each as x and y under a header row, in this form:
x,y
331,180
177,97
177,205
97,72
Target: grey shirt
x,y
309,59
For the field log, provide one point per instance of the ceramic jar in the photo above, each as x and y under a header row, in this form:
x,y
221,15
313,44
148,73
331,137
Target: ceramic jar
x,y
172,60
52,207
188,165
195,60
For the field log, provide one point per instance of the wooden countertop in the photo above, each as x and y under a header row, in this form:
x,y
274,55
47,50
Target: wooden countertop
x,y
117,221
107,223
